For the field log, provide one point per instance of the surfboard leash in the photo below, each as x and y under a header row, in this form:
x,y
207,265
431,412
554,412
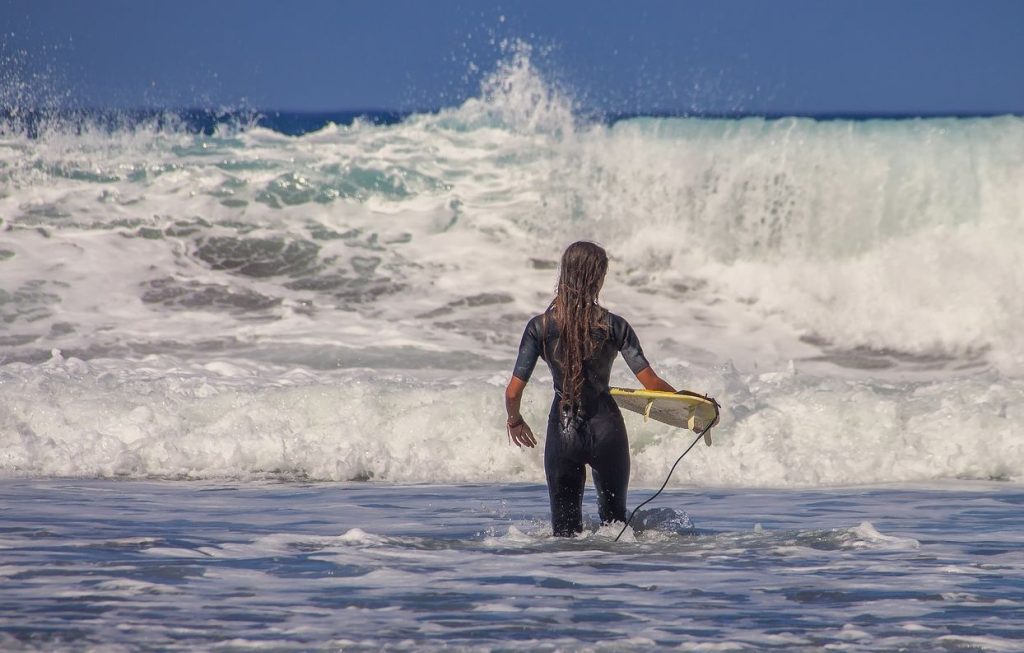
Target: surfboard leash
x,y
692,445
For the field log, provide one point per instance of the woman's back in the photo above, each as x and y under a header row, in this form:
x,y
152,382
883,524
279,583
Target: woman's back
x,y
541,339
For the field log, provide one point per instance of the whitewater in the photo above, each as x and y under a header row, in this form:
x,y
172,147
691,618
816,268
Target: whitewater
x,y
247,303
234,359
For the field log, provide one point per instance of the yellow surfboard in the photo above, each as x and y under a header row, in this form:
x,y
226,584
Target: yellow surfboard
x,y
686,410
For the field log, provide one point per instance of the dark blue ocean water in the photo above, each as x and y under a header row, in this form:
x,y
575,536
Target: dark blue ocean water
x,y
296,123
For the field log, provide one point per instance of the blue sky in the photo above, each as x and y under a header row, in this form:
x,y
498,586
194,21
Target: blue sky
x,y
722,56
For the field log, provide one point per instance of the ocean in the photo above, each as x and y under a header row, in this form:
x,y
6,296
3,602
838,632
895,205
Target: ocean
x,y
251,375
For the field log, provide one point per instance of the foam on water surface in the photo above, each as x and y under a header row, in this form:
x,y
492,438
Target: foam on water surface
x,y
179,566
235,420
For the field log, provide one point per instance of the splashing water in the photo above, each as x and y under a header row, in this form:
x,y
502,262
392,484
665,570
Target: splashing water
x,y
243,303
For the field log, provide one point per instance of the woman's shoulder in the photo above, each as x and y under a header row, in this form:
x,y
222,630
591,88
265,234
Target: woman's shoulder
x,y
539,321
618,327
539,317
614,320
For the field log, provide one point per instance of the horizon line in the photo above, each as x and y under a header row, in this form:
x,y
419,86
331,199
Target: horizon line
x,y
606,115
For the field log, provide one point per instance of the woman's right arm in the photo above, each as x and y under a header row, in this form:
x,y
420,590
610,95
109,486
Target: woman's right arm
x,y
629,345
652,381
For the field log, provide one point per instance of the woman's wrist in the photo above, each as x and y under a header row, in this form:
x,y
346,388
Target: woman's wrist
x,y
514,420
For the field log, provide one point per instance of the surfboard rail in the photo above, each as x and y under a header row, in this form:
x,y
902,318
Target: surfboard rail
x,y
684,409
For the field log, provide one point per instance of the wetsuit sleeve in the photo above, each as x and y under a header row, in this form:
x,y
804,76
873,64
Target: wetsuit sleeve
x,y
629,345
529,352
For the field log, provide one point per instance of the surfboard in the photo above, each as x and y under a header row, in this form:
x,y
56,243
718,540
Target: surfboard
x,y
684,409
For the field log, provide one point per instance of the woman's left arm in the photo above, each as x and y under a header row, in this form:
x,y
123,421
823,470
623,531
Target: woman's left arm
x,y
518,430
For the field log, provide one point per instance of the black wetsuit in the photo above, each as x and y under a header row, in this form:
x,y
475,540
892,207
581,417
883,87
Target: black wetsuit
x,y
595,437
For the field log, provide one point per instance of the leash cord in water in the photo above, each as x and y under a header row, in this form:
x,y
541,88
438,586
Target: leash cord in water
x,y
653,496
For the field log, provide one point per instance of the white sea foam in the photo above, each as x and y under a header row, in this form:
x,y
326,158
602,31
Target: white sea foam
x,y
76,418
346,304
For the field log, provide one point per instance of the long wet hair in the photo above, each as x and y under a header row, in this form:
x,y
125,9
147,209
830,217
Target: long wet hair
x,y
582,322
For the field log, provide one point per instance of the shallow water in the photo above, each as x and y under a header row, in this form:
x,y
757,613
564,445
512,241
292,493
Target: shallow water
x,y
132,565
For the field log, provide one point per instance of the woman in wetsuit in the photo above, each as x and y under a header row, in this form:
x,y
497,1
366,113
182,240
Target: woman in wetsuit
x,y
579,339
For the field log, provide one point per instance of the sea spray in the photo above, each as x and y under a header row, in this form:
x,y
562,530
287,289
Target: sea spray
x,y
346,304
